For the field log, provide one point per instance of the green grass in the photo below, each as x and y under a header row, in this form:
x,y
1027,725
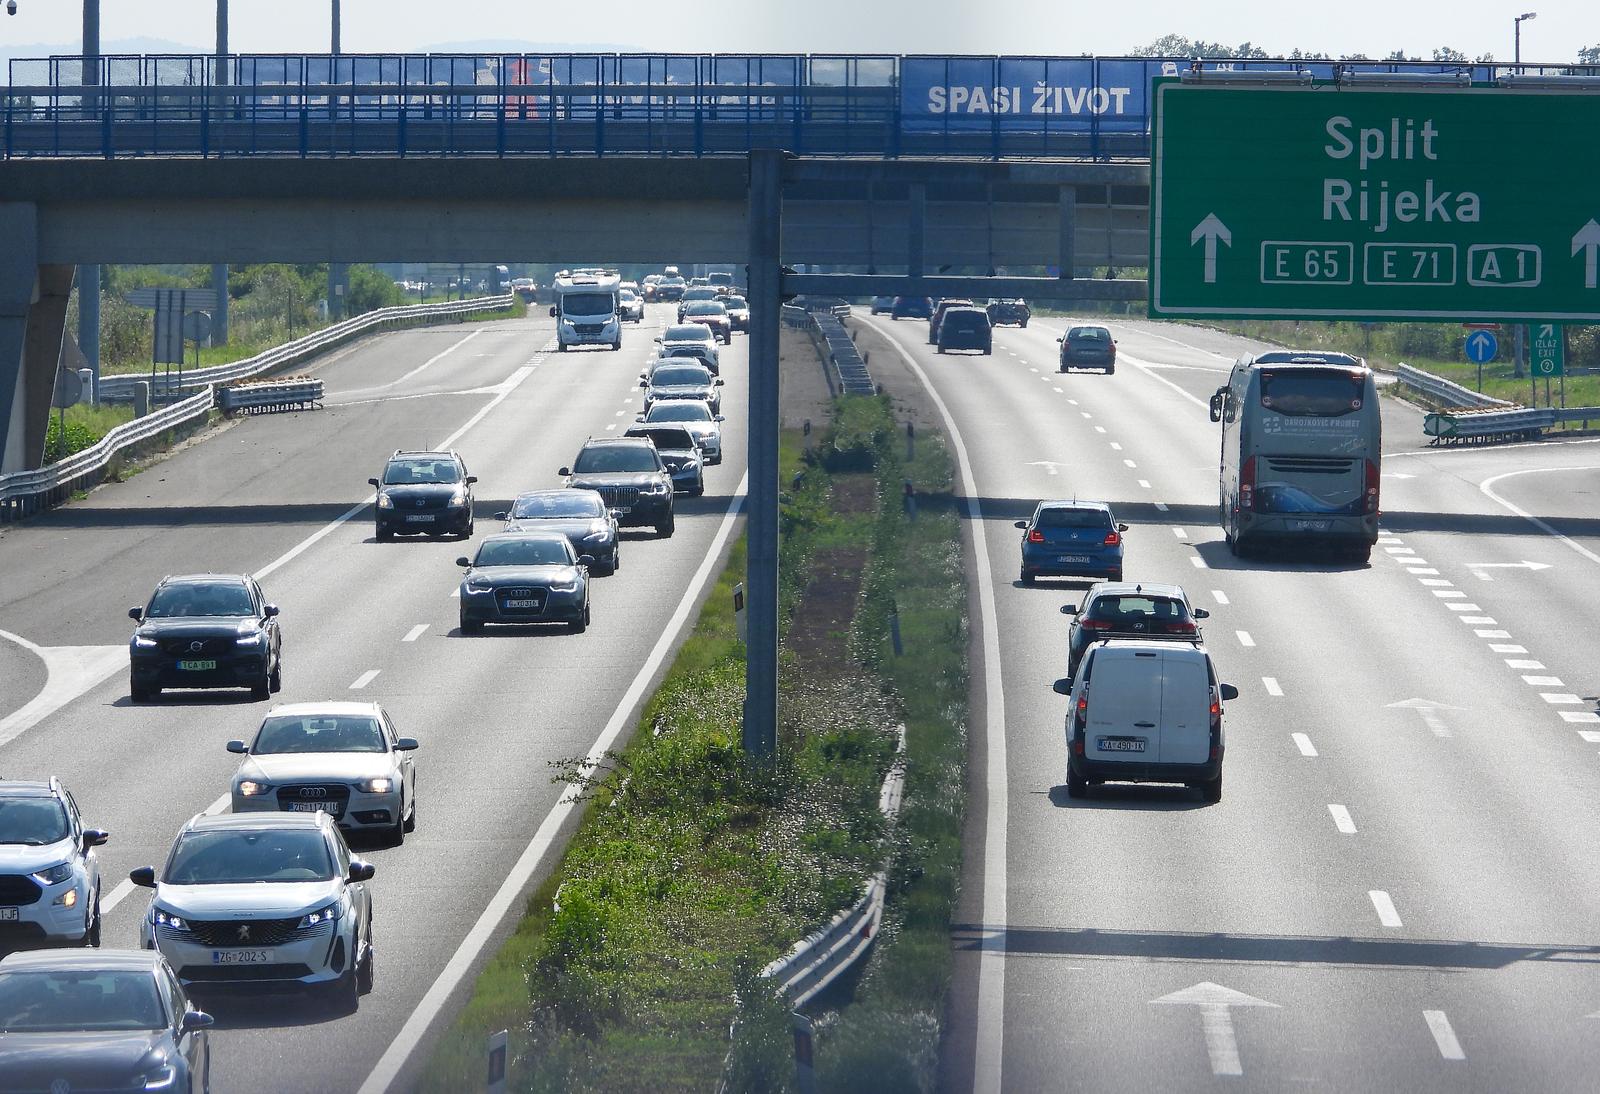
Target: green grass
x,y
85,425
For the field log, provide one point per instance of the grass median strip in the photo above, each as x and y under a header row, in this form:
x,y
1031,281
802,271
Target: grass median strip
x,y
692,869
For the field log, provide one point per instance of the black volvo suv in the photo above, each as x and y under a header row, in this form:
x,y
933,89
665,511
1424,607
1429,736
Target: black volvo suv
x,y
205,631
628,473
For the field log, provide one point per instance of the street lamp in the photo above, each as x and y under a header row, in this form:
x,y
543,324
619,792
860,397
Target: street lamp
x,y
1517,23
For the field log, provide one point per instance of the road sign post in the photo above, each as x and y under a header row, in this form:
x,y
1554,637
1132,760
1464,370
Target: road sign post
x,y
1353,201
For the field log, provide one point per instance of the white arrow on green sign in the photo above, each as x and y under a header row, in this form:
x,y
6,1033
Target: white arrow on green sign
x,y
1548,349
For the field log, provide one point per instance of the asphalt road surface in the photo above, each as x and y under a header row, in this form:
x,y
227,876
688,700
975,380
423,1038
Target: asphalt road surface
x,y
285,496
1399,888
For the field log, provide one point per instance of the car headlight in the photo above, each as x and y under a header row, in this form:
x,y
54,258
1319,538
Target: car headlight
x,y
569,324
142,643
478,585
160,1078
68,899
459,497
380,785
565,586
324,914
251,640
598,530
385,501
53,875
253,788
160,917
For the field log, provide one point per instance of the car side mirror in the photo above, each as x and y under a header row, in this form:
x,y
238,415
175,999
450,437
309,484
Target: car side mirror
x,y
471,479
657,338
552,310
361,871
1201,613
463,561
1020,524
718,381
564,472
94,837
1061,338
1069,609
271,610
1122,527
407,744
502,516
585,560
1229,692
144,876
644,383
195,1020
372,482
1216,404
239,748
718,418
136,614
1062,687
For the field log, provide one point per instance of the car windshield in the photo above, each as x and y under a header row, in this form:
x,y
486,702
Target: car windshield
x,y
1312,393
734,303
524,552
587,303
666,438
679,376
241,856
32,822
686,332
615,458
72,1000
679,412
190,599
1138,609
1073,518
564,503
1089,334
706,307
628,296
401,472
282,734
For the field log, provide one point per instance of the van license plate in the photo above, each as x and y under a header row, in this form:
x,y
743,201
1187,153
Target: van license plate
x,y
1121,744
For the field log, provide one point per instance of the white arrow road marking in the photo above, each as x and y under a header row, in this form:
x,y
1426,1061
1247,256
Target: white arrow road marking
x,y
1587,240
1443,1035
1216,1020
1429,710
1481,569
1211,229
69,672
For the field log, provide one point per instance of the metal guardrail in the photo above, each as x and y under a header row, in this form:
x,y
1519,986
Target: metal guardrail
x,y
120,387
843,354
1445,394
826,954
269,395
1483,426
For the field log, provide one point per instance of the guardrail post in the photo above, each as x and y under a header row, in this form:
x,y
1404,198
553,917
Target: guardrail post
x,y
141,398
805,1075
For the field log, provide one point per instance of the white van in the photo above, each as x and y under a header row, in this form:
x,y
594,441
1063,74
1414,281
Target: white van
x,y
585,308
1146,711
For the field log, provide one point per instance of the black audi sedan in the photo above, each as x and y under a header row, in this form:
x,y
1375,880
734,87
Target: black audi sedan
x,y
99,1020
525,577
580,515
205,631
424,493
629,474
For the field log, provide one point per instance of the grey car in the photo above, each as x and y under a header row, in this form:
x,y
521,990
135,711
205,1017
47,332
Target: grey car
x,y
678,450
695,416
580,515
691,334
525,577
675,380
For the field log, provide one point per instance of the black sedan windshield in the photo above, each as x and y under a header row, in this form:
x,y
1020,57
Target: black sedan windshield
x,y
99,1000
285,734
33,822
564,503
679,376
524,552
193,599
236,857
610,459
680,411
402,472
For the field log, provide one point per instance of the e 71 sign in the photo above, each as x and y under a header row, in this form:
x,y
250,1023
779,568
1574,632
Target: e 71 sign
x,y
1352,202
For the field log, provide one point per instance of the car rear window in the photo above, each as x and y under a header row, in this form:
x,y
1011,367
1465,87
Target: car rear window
x,y
966,320
1073,518
1138,609
1089,334
1312,393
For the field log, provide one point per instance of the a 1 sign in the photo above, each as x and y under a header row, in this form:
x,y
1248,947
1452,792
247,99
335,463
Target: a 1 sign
x,y
1548,349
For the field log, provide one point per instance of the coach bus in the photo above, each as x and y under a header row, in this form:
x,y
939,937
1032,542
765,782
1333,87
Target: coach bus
x,y
1301,437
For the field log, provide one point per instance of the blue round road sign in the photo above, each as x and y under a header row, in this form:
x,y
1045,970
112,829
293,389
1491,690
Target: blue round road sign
x,y
1481,347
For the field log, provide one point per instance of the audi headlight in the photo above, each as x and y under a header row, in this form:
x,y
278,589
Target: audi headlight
x,y
478,585
160,917
385,501
380,785
53,875
324,914
252,788
160,1078
565,586
142,643
251,640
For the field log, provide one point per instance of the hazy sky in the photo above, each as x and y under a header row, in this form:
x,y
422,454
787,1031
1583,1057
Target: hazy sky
x,y
1049,27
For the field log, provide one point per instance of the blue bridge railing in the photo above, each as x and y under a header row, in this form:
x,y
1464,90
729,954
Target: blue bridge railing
x,y
1094,108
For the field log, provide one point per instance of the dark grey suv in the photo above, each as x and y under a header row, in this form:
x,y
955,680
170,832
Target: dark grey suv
x,y
205,631
424,493
628,473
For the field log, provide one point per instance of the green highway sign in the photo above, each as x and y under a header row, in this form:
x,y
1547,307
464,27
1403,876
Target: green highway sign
x,y
1373,203
1549,349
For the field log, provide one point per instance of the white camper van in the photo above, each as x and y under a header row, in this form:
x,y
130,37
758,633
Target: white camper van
x,y
585,308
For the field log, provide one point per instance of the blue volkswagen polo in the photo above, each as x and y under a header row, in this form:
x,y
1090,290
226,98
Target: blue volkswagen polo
x,y
1071,539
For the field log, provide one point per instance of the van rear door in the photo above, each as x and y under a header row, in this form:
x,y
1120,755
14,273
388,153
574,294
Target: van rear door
x,y
1124,713
1185,709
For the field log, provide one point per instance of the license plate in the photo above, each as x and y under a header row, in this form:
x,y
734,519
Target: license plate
x,y
197,666
1120,744
524,604
1073,560
315,807
1309,525
9,915
419,518
623,508
241,957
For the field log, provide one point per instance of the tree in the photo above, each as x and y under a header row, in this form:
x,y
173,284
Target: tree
x,y
1589,55
1176,45
1449,56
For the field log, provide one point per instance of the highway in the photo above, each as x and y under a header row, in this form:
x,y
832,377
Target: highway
x,y
1398,889
285,496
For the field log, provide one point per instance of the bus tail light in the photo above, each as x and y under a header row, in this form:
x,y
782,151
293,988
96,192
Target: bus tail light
x,y
1247,484
1372,486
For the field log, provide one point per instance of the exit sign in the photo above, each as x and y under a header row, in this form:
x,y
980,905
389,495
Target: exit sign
x,y
1356,202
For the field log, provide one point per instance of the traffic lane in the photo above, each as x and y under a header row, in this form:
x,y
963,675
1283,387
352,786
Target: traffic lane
x,y
435,360
237,497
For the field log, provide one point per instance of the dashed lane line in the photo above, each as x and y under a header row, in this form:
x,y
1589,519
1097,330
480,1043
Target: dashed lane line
x,y
1303,743
1387,915
1443,1036
1273,687
1342,820
364,679
416,632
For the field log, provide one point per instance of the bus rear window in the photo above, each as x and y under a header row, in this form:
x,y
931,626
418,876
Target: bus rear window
x,y
1312,393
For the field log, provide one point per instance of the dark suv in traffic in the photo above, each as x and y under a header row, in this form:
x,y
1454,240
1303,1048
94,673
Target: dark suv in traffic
x,y
205,631
628,473
1009,312
424,493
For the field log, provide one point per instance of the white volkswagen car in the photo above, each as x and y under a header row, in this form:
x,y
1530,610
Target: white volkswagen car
x,y
271,900
343,759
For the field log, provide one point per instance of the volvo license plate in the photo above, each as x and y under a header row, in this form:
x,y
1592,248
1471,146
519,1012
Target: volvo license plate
x,y
197,666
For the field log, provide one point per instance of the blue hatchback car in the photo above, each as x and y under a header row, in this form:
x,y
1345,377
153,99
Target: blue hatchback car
x,y
1071,539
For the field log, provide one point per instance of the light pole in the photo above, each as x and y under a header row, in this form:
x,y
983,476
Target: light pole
x,y
1517,39
335,27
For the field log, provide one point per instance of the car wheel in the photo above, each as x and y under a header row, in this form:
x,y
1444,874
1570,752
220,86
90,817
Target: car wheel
x,y
397,833
410,823
664,529
616,560
262,689
938,349
466,533
344,994
1023,324
141,695
1027,578
1116,576
384,535
1361,554
275,677
470,626
1111,370
1077,785
561,347
367,971
616,345
581,624
91,929
1212,791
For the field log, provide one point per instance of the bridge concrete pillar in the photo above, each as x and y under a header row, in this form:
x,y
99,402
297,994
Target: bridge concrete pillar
x,y
33,319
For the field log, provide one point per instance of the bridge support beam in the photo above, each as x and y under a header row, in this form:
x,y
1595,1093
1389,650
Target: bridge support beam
x,y
33,317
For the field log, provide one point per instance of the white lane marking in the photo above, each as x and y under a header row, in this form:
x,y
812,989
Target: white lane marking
x,y
1487,488
987,1064
1162,506
1464,607
610,427
364,679
1388,541
1560,698
1438,582
429,363
1303,743
1477,620
1102,429
1058,391
1421,571
543,843
416,632
1400,550
1522,663
1073,402
1495,634
1507,647
1115,447
1449,594
455,593
1245,639
70,671
619,413
1413,562
1543,681
1385,907
1220,596
1197,562
1086,414
1129,463
1145,483
1443,1035
1272,685
1342,820
1180,533
1582,716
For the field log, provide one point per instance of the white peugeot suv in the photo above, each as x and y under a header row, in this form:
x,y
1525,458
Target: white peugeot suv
x,y
272,899
49,874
